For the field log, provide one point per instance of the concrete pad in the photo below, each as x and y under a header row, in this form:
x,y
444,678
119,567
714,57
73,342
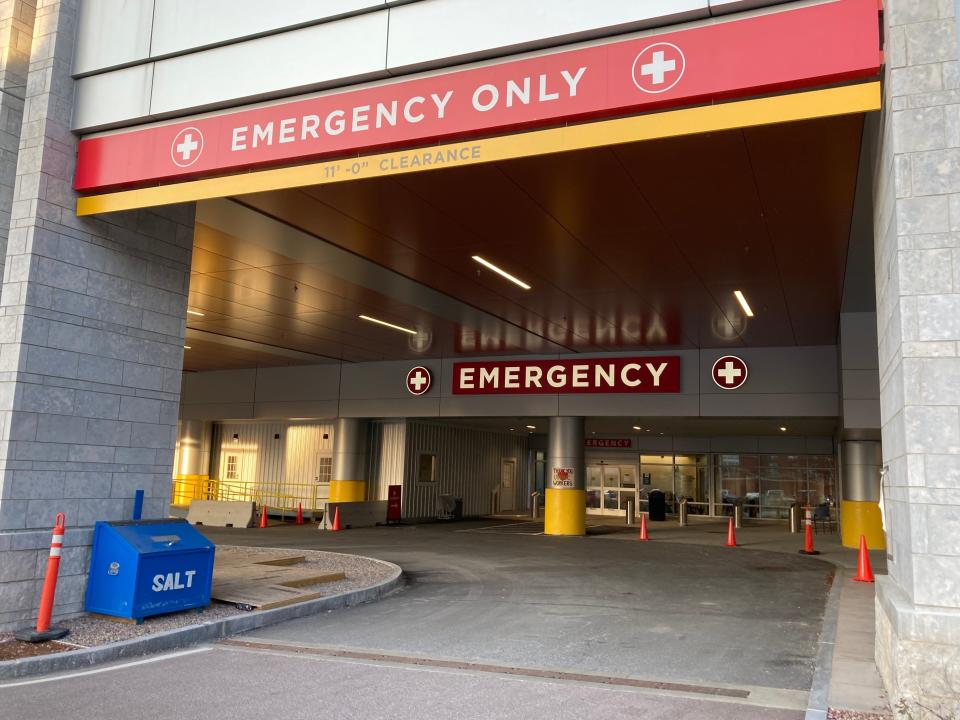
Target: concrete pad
x,y
664,611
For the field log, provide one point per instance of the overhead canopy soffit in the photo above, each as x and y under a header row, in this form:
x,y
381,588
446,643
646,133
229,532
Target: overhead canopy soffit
x,y
635,246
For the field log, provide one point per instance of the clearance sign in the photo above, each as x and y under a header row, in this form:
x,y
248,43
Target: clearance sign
x,y
609,375
801,47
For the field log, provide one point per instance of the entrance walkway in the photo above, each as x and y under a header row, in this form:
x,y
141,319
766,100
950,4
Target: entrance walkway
x,y
666,612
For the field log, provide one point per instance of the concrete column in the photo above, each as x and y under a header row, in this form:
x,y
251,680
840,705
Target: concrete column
x,y
16,36
860,493
351,458
192,470
917,255
91,346
565,504
193,445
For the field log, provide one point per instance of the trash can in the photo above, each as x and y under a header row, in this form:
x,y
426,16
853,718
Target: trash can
x,y
148,567
657,504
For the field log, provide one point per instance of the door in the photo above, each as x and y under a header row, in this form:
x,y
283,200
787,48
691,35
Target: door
x,y
508,491
609,487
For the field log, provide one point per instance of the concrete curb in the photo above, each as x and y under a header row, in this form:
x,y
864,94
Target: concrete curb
x,y
195,634
820,687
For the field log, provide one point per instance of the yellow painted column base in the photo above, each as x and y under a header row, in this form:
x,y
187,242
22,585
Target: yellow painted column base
x,y
565,512
189,487
858,517
348,490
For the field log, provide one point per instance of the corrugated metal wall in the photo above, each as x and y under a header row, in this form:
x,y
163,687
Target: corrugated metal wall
x,y
305,444
388,449
468,460
263,458
468,466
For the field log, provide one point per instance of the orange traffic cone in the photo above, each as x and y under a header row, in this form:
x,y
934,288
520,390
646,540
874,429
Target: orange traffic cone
x,y
731,535
263,516
643,527
808,541
299,513
864,572
336,519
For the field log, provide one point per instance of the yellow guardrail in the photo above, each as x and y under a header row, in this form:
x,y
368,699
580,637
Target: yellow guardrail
x,y
279,497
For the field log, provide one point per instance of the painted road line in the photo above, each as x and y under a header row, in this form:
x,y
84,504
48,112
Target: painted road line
x,y
110,668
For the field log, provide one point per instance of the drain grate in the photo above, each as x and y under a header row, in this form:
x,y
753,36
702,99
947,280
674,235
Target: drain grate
x,y
498,669
520,528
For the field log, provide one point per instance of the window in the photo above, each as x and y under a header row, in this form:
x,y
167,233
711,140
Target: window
x,y
427,468
325,471
232,472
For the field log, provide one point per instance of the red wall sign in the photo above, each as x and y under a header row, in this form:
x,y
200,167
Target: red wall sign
x,y
394,494
801,47
608,443
608,375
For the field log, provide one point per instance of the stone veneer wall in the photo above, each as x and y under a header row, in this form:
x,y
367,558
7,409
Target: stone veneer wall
x,y
16,37
92,321
917,243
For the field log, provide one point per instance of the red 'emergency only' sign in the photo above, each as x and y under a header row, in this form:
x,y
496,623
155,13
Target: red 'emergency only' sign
x,y
804,46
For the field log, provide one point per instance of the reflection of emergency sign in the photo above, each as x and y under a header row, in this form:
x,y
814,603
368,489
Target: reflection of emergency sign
x,y
563,477
171,581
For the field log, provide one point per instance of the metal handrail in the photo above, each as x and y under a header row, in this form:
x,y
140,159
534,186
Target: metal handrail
x,y
276,495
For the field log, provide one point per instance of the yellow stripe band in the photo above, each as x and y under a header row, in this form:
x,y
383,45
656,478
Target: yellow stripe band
x,y
861,517
348,491
565,512
688,121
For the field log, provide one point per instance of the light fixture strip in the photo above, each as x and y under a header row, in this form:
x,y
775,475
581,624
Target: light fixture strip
x,y
747,310
195,312
389,325
500,271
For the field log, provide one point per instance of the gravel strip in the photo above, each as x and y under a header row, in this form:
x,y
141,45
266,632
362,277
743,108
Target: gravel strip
x,y
88,631
835,714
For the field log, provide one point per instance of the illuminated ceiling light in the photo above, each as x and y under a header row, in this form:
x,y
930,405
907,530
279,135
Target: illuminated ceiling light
x,y
747,310
389,325
637,427
501,272
187,347
195,312
531,427
782,429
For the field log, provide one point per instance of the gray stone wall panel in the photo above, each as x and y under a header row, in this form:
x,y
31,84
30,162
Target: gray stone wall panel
x,y
917,216
91,341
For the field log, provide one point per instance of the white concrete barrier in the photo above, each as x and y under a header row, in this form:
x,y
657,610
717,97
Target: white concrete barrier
x,y
222,513
356,514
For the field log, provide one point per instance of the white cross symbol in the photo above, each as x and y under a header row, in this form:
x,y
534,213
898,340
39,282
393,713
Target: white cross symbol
x,y
418,380
730,372
188,145
658,68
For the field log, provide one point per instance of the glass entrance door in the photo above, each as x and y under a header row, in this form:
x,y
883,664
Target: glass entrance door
x,y
609,487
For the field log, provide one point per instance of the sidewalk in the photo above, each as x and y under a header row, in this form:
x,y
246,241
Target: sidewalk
x,y
854,681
